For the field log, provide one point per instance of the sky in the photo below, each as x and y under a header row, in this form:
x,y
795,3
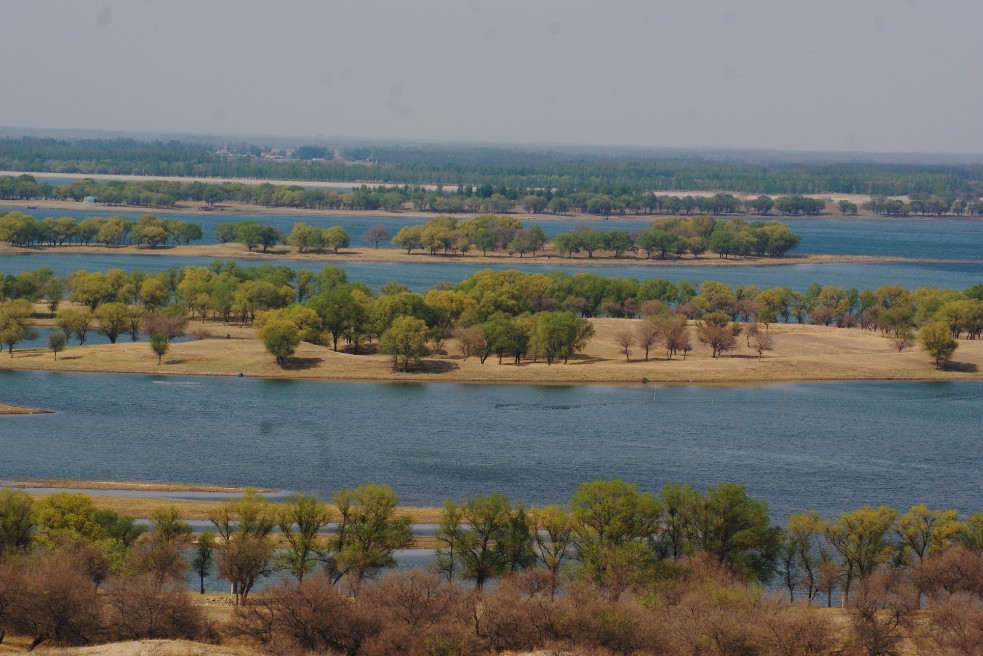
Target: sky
x,y
820,75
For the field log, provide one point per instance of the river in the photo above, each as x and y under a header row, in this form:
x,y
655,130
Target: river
x,y
825,446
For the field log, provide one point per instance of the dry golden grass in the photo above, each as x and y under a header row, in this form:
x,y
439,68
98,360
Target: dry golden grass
x,y
17,410
801,353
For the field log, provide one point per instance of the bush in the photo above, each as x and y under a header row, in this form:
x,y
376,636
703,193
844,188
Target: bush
x,y
139,607
307,616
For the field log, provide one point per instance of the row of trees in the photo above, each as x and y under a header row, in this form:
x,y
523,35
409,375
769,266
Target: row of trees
x,y
491,167
470,199
325,307
72,574
19,229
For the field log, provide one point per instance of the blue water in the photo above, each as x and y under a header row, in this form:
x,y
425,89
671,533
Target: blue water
x,y
830,446
944,239
425,274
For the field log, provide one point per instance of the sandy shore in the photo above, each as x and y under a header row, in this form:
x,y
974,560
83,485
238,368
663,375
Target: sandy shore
x,y
545,258
801,353
17,410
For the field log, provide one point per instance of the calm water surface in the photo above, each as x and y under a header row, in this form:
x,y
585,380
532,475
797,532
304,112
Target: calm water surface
x,y
830,447
425,274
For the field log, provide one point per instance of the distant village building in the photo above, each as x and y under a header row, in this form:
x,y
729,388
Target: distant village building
x,y
90,199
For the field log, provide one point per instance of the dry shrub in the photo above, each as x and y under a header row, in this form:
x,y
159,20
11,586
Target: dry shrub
x,y
419,613
200,333
304,617
798,631
140,607
49,597
881,617
956,626
951,572
707,612
584,622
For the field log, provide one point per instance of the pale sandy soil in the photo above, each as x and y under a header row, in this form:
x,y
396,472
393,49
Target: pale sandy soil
x,y
133,486
17,410
547,257
150,648
801,353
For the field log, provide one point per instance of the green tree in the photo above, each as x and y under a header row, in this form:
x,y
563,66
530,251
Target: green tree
x,y
159,345
301,520
734,529
368,534
614,527
114,318
405,341
14,326
483,537
936,340
862,538
56,342
16,523
281,339
336,238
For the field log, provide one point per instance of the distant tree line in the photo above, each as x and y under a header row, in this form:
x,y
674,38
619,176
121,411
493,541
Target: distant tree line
x,y
475,165
19,229
470,199
614,570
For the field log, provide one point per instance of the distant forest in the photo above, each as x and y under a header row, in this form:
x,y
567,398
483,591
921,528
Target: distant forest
x,y
589,170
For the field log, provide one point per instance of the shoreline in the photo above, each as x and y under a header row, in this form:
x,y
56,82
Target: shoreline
x,y
802,354
142,507
395,255
20,410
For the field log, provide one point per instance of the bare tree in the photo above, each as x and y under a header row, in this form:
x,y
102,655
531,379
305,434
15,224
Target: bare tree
x,y
625,340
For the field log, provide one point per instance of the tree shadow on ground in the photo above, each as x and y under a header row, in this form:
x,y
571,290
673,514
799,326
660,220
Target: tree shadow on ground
x,y
962,367
300,364
435,367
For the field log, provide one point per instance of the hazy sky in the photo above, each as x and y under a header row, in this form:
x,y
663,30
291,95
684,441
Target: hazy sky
x,y
858,75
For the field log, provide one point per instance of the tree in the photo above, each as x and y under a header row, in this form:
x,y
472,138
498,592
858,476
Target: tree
x,y
716,331
936,340
336,238
647,335
375,234
16,523
559,335
625,340
56,342
114,318
13,323
734,529
482,538
281,339
861,537
301,520
368,532
245,551
202,556
159,345
614,526
759,340
405,341
74,321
